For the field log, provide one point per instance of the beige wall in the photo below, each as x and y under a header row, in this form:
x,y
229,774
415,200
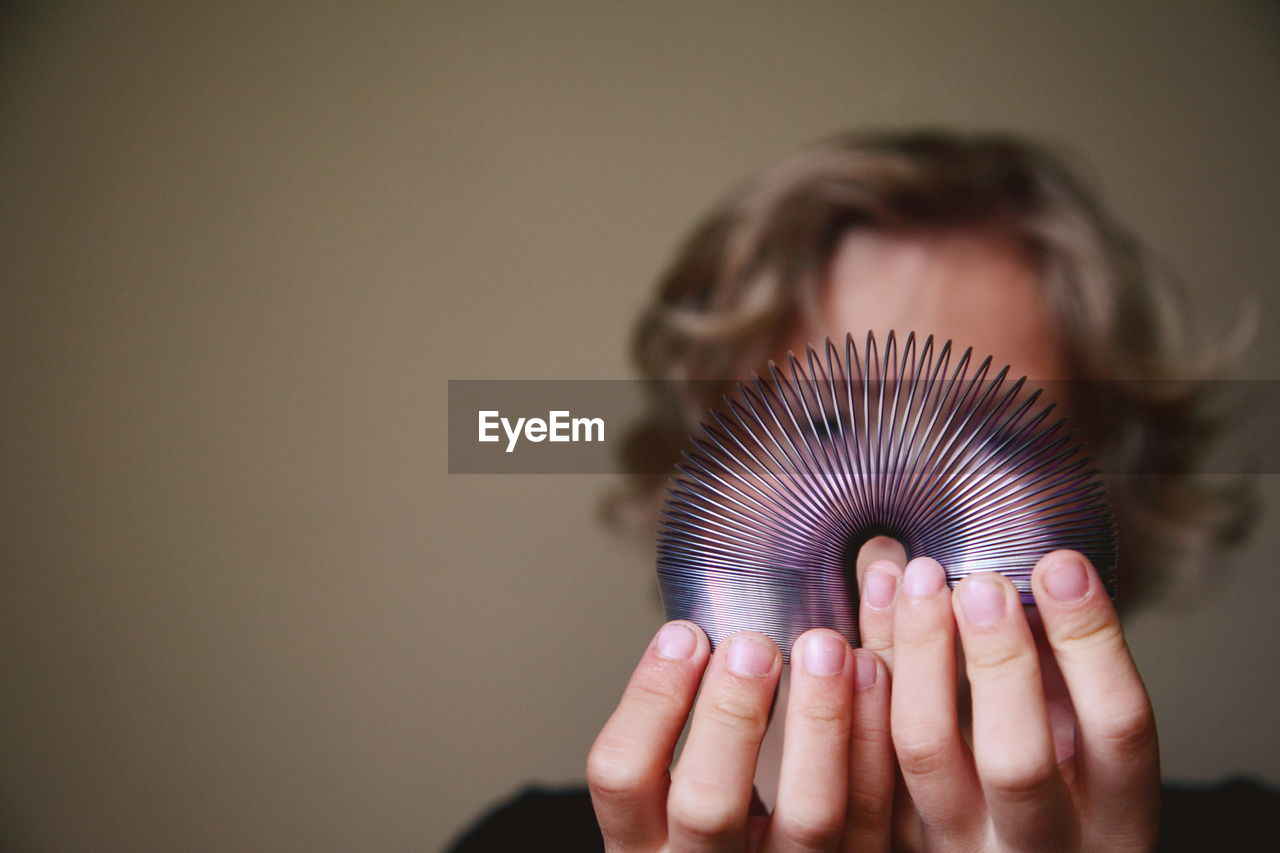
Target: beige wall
x,y
243,606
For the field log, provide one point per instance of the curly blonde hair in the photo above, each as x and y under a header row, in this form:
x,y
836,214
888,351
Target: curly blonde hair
x,y
754,270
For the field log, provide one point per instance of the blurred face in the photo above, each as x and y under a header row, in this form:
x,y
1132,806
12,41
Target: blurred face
x,y
975,288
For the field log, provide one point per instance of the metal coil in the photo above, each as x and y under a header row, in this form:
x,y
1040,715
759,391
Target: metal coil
x,y
762,525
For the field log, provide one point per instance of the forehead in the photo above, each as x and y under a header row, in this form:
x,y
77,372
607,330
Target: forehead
x,y
975,288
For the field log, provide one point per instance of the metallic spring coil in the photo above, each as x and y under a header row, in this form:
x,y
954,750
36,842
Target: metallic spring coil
x,y
762,525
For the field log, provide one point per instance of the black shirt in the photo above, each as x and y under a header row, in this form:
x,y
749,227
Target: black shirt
x,y
1237,815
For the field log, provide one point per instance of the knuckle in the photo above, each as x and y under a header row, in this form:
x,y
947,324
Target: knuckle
x,y
810,830
868,808
702,815
875,642
923,757
1129,732
866,737
1093,630
1019,782
614,774
1006,659
919,634
824,714
655,696
737,712
928,628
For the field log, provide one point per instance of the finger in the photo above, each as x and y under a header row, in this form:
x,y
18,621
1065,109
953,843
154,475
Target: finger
x,y
878,588
711,785
810,804
935,762
1026,798
628,763
1062,714
879,548
1117,760
872,771
815,764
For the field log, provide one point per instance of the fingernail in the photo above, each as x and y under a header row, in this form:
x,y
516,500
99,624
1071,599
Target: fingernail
x,y
877,588
864,670
676,642
749,657
923,577
982,601
824,655
1067,581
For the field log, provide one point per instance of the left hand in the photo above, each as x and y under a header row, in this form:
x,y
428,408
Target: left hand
x,y
1064,753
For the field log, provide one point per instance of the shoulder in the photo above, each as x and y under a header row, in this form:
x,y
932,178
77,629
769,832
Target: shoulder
x,y
562,815
1194,818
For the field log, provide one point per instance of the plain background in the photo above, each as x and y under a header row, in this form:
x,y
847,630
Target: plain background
x,y
244,246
